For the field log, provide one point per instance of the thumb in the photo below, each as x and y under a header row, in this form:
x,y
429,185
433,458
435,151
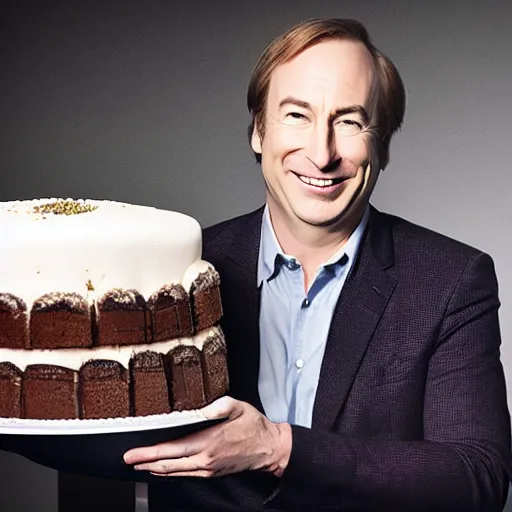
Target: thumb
x,y
223,407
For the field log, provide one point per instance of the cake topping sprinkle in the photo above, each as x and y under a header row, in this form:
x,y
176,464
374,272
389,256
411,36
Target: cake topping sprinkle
x,y
58,301
64,207
167,296
11,303
120,299
205,280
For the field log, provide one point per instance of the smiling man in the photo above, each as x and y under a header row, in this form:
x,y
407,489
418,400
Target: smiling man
x,y
363,350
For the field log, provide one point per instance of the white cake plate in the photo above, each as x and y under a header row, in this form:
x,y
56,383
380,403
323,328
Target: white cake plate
x,y
15,426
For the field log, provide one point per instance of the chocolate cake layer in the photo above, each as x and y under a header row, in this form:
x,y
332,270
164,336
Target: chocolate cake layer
x,y
149,389
10,390
183,365
13,322
170,313
206,300
104,390
60,320
207,308
215,367
60,329
121,319
49,392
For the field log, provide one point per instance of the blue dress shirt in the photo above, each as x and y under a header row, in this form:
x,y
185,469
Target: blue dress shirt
x,y
294,324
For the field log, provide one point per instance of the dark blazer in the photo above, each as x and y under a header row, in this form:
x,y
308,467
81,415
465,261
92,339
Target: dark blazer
x,y
410,411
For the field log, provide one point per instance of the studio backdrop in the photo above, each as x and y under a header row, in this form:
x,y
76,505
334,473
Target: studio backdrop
x,y
144,102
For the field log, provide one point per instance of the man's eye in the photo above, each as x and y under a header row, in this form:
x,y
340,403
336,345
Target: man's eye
x,y
296,115
348,126
351,122
295,118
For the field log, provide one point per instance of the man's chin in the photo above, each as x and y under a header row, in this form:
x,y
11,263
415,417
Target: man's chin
x,y
339,221
325,222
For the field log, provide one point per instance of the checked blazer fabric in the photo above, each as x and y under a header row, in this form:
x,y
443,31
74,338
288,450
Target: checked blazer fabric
x,y
410,412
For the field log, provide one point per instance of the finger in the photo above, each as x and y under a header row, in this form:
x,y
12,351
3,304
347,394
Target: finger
x,y
169,450
223,407
171,466
196,474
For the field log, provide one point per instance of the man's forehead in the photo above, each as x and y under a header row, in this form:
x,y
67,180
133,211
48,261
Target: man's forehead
x,y
336,66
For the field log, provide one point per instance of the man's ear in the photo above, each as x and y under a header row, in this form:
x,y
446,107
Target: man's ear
x,y
256,139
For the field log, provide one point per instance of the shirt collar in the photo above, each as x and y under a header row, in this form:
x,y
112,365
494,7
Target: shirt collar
x,y
271,254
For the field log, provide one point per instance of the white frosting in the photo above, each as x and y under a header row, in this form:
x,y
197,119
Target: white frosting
x,y
193,271
117,245
74,358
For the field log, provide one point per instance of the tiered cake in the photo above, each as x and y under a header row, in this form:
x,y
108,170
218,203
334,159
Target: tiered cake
x,y
106,310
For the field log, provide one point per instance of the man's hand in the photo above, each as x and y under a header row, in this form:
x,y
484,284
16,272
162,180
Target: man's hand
x,y
247,440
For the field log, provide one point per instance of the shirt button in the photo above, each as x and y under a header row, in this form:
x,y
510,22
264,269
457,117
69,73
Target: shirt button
x,y
305,303
299,363
292,264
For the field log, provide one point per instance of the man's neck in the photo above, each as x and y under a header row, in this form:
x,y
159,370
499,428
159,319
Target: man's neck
x,y
311,245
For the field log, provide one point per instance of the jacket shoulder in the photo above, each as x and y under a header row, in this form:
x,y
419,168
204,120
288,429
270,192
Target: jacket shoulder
x,y
409,234
420,250
218,238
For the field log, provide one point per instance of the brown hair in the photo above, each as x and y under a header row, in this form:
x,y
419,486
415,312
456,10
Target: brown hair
x,y
386,101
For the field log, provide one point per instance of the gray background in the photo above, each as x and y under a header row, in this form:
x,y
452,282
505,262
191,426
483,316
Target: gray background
x,y
145,102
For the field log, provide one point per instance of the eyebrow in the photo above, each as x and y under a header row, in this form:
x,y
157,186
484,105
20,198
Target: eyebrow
x,y
353,109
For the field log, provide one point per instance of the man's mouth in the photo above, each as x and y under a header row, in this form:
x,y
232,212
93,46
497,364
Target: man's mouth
x,y
319,182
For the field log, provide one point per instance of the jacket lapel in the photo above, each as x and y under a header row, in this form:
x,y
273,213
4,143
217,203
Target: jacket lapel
x,y
357,313
241,301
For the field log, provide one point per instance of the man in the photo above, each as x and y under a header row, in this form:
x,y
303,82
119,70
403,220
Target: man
x,y
363,350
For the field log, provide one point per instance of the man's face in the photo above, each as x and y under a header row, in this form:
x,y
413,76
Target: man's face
x,y
314,154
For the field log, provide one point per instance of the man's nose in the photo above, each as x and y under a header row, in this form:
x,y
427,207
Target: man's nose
x,y
322,147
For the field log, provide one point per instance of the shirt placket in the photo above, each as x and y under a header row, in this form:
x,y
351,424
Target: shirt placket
x,y
302,348
297,361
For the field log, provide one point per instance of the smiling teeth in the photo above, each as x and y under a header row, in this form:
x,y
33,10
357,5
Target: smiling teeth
x,y
316,182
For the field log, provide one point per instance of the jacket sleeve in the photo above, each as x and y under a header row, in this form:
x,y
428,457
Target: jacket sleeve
x,y
462,464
